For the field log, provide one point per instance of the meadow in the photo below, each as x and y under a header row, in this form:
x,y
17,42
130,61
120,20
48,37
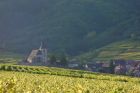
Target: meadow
x,y
26,79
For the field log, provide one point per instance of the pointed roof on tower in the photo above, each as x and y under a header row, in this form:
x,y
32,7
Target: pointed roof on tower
x,y
41,46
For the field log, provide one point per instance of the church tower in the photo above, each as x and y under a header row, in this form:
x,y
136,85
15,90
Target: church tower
x,y
42,54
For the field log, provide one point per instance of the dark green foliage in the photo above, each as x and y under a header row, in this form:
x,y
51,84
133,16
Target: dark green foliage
x,y
53,59
71,26
63,60
112,67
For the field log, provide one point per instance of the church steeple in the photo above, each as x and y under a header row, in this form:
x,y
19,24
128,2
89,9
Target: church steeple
x,y
41,45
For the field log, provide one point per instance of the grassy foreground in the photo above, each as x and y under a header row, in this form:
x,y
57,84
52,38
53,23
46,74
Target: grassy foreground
x,y
65,81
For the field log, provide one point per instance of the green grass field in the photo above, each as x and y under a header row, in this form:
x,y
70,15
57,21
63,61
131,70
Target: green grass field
x,y
10,58
25,79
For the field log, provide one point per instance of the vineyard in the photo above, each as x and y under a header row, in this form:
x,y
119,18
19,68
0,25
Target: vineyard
x,y
31,79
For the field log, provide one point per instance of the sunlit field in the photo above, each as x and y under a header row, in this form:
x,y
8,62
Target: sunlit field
x,y
62,82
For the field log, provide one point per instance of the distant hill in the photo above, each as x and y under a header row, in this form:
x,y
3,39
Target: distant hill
x,y
71,26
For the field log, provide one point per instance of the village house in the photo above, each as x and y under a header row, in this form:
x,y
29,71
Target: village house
x,y
134,68
98,67
120,69
130,67
89,67
73,65
106,67
119,62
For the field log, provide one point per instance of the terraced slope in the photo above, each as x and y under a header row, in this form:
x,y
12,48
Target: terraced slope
x,y
129,50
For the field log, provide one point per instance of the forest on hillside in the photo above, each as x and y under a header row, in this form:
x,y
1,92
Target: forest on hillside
x,y
73,27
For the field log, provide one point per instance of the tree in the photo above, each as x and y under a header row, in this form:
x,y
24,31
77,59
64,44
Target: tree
x,y
63,60
53,59
112,67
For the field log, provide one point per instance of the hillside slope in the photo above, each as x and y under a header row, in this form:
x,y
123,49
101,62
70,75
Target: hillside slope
x,y
65,26
129,50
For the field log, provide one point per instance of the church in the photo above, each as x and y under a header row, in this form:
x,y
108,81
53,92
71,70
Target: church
x,y
38,56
